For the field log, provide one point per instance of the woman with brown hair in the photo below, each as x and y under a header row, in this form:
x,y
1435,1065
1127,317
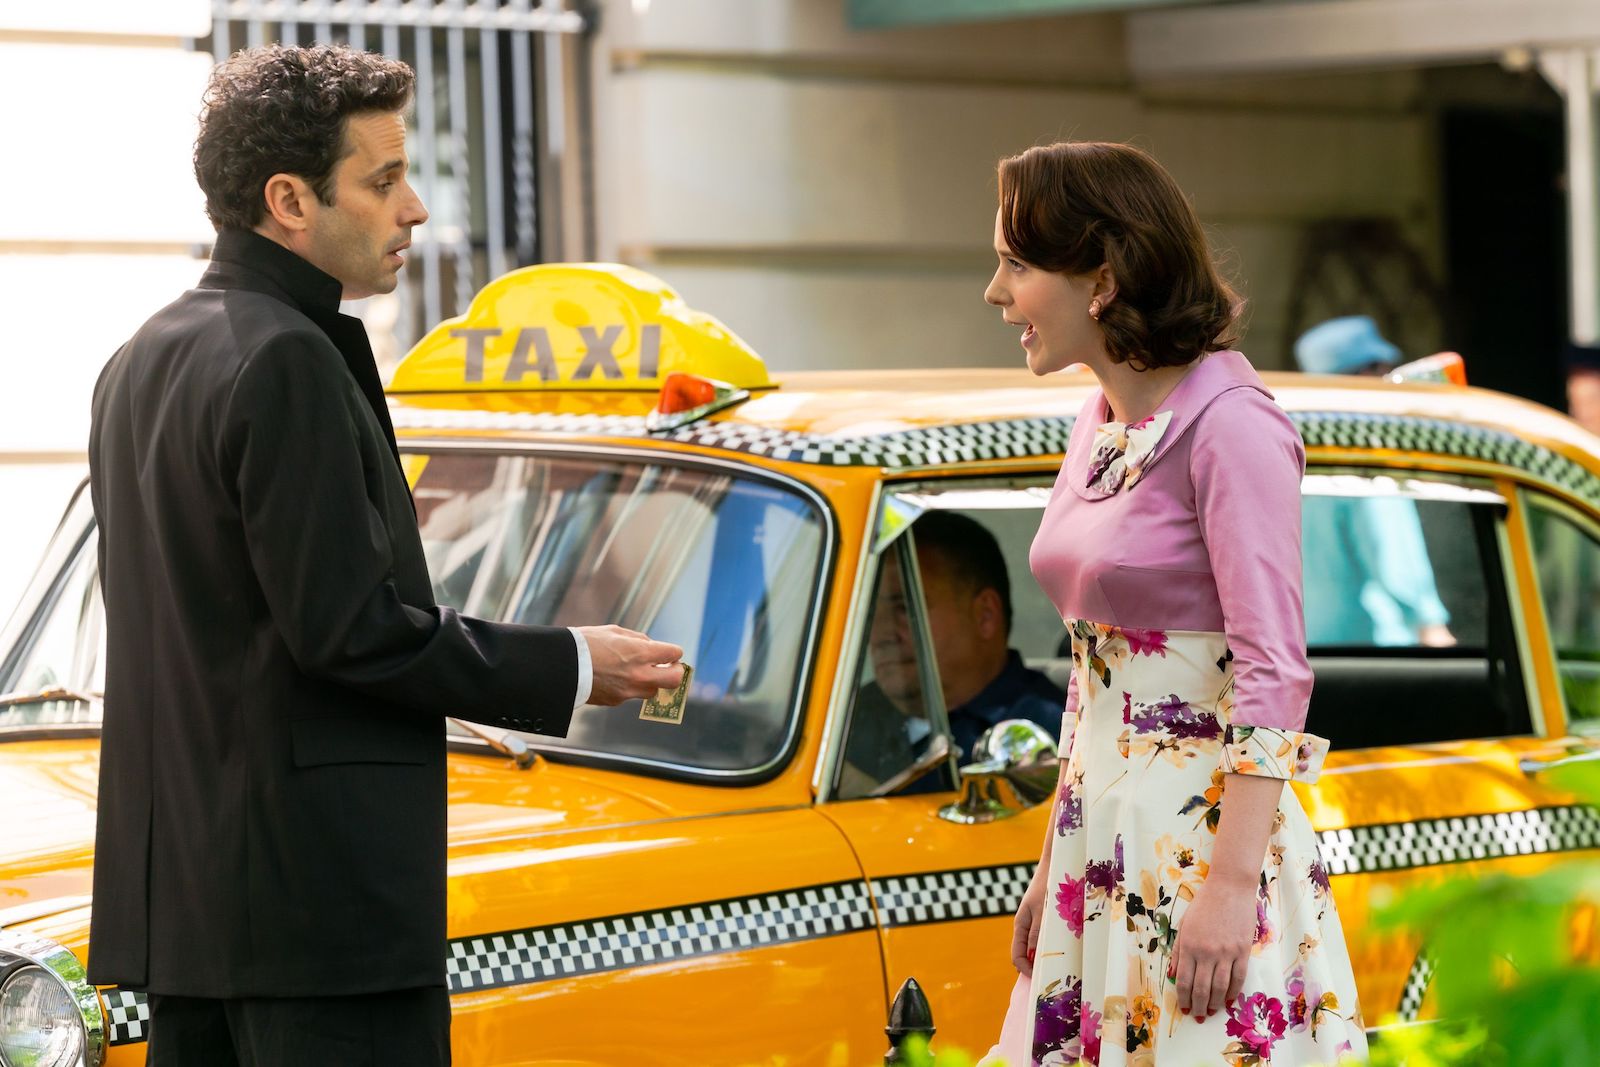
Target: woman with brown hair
x,y
1180,914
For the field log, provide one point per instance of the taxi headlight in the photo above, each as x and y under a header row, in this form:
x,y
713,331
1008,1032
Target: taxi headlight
x,y
49,1013
39,1024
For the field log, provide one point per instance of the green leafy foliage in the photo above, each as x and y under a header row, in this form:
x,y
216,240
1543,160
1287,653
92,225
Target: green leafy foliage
x,y
1440,1045
916,1053
1511,988
1580,779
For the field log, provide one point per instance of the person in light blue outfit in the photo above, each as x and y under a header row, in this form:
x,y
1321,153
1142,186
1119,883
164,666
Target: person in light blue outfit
x,y
1368,578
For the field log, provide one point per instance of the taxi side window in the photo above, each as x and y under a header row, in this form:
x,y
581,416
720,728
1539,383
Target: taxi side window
x,y
1408,620
992,642
726,565
891,721
62,647
1567,551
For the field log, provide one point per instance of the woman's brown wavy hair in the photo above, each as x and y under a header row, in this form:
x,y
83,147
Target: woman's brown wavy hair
x,y
1070,207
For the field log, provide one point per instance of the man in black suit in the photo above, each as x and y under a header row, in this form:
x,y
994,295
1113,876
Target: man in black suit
x,y
270,854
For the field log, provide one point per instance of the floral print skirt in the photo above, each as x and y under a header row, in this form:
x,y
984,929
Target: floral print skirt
x,y
1147,760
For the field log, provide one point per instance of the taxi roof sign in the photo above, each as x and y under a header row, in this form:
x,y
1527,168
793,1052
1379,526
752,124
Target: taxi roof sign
x,y
590,327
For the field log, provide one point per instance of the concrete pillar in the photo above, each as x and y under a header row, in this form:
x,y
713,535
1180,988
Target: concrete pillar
x,y
1575,73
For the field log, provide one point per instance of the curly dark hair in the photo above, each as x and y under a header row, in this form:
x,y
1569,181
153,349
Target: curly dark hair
x,y
281,110
1072,206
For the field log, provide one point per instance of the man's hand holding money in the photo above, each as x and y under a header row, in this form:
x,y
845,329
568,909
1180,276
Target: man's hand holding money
x,y
628,664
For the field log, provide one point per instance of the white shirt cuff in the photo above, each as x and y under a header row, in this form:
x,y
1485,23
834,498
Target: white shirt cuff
x,y
585,670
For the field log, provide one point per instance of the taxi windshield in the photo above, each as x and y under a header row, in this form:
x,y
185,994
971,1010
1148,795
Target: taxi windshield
x,y
720,561
724,562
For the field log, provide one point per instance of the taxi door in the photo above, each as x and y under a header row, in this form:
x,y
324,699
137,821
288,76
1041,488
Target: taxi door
x,y
1435,685
944,888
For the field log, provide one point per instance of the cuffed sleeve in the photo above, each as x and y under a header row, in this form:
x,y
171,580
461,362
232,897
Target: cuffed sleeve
x,y
1273,753
585,670
1246,464
313,475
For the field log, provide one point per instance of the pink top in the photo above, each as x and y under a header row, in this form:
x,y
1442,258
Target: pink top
x,y
1189,520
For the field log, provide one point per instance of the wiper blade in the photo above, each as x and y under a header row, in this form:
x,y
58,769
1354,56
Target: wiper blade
x,y
52,695
502,741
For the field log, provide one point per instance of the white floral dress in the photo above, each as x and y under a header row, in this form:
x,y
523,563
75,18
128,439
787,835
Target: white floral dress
x,y
1182,600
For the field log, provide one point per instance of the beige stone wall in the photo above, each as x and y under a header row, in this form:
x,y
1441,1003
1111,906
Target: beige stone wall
x,y
829,193
100,228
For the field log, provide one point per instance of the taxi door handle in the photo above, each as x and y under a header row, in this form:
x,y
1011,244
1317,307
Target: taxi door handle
x,y
1532,766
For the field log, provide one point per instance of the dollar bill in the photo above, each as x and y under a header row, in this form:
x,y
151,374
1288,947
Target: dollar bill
x,y
667,704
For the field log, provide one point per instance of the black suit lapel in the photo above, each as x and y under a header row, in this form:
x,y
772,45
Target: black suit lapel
x,y
350,337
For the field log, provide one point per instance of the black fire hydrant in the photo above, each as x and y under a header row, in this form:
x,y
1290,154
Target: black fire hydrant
x,y
909,1014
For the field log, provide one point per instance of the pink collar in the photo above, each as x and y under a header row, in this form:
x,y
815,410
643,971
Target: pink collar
x,y
1216,373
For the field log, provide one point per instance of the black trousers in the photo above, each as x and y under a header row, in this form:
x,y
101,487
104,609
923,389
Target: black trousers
x,y
408,1028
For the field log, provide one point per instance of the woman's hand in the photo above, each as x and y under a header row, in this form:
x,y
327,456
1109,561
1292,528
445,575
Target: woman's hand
x,y
1214,941
1025,930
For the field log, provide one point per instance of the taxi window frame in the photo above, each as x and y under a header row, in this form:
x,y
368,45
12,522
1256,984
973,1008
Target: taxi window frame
x,y
836,731
54,569
785,753
905,553
43,593
1575,513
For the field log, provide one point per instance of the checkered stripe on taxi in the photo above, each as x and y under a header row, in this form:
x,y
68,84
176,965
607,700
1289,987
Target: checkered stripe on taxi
x,y
996,439
1019,438
1416,988
1429,842
1412,433
127,1016
535,954
946,896
537,422
929,446
643,938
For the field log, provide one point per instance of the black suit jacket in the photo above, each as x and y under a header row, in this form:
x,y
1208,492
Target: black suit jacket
x,y
272,778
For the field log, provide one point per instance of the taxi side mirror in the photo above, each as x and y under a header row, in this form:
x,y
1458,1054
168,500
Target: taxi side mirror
x,y
1014,768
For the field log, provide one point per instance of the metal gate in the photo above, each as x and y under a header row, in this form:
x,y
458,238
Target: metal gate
x,y
488,120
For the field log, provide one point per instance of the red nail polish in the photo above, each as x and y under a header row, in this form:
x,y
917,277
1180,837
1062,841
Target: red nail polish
x,y
1030,955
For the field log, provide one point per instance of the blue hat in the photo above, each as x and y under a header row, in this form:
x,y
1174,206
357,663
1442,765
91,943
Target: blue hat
x,y
1340,346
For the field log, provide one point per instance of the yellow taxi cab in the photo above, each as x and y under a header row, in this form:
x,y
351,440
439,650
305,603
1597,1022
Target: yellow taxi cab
x,y
740,887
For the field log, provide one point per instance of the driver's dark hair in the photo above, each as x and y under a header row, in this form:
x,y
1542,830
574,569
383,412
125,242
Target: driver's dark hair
x,y
279,110
970,552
